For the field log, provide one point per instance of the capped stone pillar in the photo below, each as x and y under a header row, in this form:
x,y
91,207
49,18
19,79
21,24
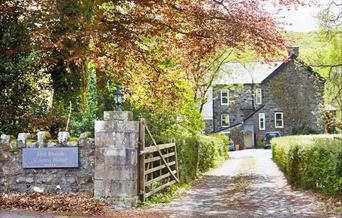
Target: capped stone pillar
x,y
116,159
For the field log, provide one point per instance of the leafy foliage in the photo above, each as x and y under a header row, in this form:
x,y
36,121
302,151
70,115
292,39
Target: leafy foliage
x,y
311,162
165,197
151,47
170,122
303,129
198,153
23,95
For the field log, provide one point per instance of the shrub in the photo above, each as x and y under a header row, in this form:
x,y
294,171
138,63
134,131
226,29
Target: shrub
x,y
304,129
223,150
199,153
260,142
311,162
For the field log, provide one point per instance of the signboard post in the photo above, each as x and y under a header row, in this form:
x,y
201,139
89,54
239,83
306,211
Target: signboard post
x,y
47,158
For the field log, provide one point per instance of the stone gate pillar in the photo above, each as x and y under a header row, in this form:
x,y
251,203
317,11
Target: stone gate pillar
x,y
116,159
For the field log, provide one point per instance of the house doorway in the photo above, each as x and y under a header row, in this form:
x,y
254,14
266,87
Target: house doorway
x,y
248,136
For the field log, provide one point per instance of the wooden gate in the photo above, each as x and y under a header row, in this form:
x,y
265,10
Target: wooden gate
x,y
158,166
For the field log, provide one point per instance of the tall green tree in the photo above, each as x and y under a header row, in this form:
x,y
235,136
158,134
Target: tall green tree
x,y
23,96
328,60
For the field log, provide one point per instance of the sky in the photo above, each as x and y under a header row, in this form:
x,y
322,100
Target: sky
x,y
302,20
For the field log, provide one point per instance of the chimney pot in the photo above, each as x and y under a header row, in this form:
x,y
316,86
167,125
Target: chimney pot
x,y
293,51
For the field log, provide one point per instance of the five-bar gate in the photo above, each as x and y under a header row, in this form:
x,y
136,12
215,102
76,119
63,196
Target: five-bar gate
x,y
158,166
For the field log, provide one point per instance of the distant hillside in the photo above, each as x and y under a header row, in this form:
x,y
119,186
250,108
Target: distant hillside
x,y
307,41
312,50
311,47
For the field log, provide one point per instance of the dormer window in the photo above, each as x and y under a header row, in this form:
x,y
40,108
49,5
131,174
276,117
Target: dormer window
x,y
258,96
225,97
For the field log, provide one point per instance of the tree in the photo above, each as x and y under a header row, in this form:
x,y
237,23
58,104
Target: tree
x,y
116,35
331,64
204,73
22,96
148,46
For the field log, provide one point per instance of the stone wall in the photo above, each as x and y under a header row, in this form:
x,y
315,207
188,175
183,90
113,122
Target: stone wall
x,y
15,179
107,165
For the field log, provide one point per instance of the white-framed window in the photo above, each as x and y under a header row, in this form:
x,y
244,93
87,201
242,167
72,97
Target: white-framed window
x,y
278,120
262,121
225,122
258,96
225,97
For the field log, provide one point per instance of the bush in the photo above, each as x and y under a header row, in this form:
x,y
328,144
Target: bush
x,y
311,162
199,153
303,130
260,142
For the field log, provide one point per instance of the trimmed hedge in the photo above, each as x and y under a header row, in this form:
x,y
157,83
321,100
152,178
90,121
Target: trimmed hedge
x,y
311,161
198,153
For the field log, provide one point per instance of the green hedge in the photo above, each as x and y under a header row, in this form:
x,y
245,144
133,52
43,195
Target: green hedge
x,y
311,161
199,153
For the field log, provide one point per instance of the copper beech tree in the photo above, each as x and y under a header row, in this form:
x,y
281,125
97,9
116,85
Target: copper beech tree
x,y
151,45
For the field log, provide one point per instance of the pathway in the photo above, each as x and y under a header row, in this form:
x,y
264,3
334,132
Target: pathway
x,y
249,184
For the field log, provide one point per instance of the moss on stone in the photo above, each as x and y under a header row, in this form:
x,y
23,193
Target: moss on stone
x,y
47,136
72,139
31,140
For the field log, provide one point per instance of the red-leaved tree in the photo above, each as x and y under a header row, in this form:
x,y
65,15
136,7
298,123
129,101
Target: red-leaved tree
x,y
134,38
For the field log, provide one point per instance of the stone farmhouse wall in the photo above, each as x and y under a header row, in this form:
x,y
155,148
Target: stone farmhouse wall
x,y
15,179
298,93
294,90
240,104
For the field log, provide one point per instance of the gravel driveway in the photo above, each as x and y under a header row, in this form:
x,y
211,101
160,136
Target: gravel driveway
x,y
249,184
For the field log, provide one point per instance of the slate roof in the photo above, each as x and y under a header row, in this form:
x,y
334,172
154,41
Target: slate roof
x,y
246,73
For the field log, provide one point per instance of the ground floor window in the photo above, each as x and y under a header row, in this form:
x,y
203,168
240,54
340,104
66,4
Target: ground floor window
x,y
261,121
225,122
278,120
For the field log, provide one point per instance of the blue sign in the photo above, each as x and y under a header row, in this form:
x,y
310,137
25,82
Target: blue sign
x,y
39,158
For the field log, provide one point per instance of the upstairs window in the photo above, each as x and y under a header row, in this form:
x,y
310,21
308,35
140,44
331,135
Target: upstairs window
x,y
258,96
278,120
225,97
262,121
225,122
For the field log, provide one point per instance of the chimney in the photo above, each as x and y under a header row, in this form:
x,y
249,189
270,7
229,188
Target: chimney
x,y
293,51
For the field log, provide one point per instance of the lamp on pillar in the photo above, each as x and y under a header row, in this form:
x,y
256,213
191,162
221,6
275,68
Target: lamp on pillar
x,y
118,98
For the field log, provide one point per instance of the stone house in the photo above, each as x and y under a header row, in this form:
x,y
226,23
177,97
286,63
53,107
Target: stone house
x,y
249,99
